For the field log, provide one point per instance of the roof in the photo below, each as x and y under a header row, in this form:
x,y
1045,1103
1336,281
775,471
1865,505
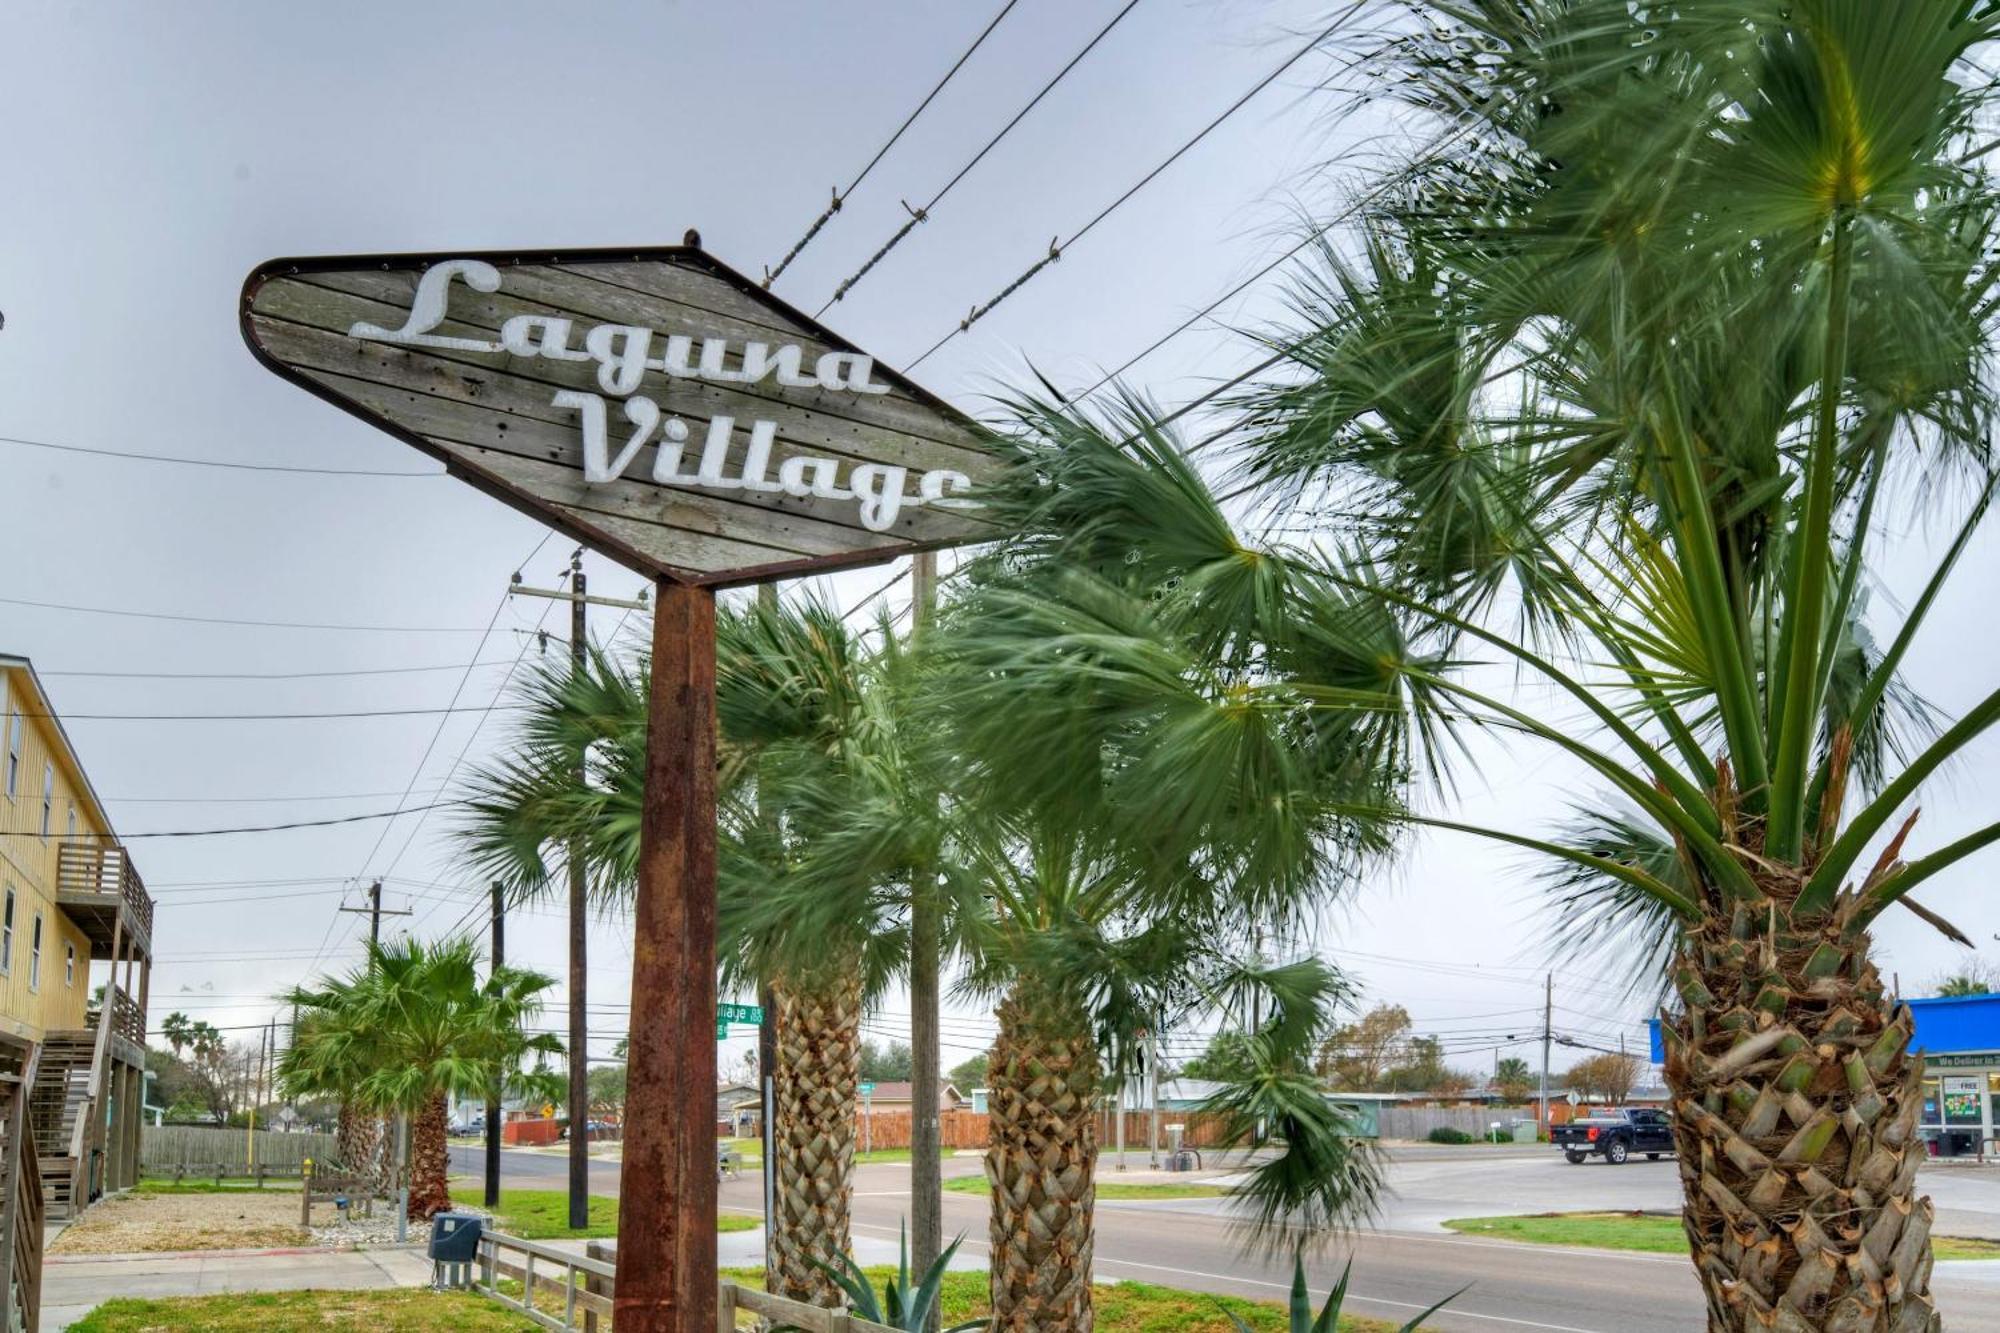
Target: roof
x,y
1946,1025
900,1091
14,661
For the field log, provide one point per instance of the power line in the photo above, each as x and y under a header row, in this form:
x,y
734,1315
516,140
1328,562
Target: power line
x,y
1057,247
212,462
250,800
267,675
840,196
918,215
254,624
254,828
249,717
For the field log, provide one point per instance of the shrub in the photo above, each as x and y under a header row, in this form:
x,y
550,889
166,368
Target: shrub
x,y
1446,1134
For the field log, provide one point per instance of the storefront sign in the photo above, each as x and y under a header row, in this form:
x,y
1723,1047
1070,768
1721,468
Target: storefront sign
x,y
653,404
1963,1060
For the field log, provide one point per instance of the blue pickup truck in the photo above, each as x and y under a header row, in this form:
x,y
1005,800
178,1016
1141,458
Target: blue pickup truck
x,y
1616,1135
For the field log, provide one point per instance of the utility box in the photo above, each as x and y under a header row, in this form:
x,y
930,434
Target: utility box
x,y
455,1238
1526,1131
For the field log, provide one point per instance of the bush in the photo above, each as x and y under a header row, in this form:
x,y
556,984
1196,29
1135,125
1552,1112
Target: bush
x,y
1446,1134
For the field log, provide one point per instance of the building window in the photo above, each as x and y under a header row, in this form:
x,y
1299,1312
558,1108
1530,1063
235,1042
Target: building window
x,y
69,965
13,754
35,955
7,934
48,797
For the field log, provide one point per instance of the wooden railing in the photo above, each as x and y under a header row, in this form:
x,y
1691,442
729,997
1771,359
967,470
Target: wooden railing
x,y
21,1203
127,1020
573,1294
101,871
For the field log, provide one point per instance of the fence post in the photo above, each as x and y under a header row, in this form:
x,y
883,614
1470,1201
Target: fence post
x,y
306,1193
725,1308
593,1284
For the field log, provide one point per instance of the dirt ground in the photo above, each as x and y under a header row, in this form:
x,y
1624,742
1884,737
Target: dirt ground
x,y
134,1222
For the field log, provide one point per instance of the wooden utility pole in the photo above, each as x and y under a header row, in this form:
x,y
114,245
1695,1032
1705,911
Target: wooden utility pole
x,y
493,1111
926,934
375,913
579,939
767,1032
666,1280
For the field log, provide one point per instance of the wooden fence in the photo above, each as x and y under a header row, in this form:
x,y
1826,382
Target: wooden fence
x,y
1415,1122
571,1294
205,1150
968,1129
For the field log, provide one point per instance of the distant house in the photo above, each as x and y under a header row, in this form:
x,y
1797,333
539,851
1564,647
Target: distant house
x,y
738,1105
898,1096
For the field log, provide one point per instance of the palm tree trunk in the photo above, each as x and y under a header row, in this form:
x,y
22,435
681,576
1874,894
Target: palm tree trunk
x,y
358,1140
814,1086
1796,1127
1041,1161
429,1160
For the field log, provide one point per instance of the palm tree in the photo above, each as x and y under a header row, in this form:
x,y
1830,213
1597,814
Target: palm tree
x,y
178,1031
1628,363
798,712
410,1027
1512,1078
335,1072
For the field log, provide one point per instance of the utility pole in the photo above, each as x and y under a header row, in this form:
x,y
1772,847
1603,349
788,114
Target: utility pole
x,y
1548,1014
767,1031
493,1094
375,913
578,597
1153,1068
579,935
926,936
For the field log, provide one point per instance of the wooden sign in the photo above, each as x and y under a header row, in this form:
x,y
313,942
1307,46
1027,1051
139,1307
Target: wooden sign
x,y
653,404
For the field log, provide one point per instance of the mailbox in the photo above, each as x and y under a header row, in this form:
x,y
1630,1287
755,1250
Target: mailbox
x,y
455,1238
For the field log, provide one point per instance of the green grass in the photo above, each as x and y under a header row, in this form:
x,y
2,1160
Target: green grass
x,y
1106,1189
405,1311
161,1185
544,1215
1647,1232
1129,1307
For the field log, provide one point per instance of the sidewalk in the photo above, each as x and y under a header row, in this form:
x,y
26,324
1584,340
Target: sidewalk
x,y
73,1285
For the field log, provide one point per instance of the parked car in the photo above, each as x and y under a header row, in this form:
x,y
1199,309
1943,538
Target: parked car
x,y
1616,1135
469,1128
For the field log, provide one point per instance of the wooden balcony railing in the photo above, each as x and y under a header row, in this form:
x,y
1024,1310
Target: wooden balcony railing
x,y
127,1020
102,875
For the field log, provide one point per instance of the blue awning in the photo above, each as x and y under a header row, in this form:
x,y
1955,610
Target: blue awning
x,y
1949,1029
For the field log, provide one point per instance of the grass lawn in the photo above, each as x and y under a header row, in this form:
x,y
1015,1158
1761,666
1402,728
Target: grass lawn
x,y
544,1215
1127,1307
162,1185
406,1311
1106,1189
1648,1232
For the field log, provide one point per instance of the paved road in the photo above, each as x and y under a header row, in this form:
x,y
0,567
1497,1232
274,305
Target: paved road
x,y
1407,1265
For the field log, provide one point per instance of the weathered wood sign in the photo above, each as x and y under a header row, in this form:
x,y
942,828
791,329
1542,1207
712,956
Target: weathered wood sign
x,y
653,404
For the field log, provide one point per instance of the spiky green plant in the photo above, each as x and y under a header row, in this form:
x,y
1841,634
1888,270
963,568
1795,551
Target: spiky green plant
x,y
1299,1316
910,1306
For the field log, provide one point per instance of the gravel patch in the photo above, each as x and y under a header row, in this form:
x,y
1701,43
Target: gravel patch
x,y
131,1223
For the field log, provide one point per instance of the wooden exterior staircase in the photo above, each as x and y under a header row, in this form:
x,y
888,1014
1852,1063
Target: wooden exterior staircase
x,y
62,1105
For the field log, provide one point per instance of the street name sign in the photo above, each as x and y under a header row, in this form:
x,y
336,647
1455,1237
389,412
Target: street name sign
x,y
653,404
739,1013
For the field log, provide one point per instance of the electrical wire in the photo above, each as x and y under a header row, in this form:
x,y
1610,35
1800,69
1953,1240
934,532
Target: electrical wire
x,y
254,828
1058,247
249,717
213,462
253,624
771,275
920,215
265,675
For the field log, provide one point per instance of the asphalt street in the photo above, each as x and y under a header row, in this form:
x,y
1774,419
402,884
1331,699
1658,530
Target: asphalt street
x,y
1407,1263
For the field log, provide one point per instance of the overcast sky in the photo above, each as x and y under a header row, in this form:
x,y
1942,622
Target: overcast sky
x,y
157,153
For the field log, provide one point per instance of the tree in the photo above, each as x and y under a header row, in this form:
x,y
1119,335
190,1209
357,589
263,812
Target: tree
x,y
1420,1069
177,1030
885,1064
410,1027
607,1089
1226,1057
1451,1084
1609,1077
1973,976
970,1073
1512,1079
1631,358
1358,1056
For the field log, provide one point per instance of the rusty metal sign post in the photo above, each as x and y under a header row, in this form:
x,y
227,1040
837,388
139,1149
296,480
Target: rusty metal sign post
x,y
668,412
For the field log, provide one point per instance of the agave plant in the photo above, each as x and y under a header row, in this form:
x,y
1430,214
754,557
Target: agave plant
x,y
1299,1316
905,1305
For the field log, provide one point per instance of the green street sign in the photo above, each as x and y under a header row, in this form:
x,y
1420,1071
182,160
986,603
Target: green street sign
x,y
721,1029
738,1013
867,1089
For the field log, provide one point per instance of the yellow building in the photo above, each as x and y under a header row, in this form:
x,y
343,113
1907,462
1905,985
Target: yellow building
x,y
69,897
